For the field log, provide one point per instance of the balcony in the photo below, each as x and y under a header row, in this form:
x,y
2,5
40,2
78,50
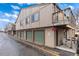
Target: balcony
x,y
61,22
59,18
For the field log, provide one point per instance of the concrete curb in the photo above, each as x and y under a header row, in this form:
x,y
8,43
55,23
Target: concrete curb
x,y
48,51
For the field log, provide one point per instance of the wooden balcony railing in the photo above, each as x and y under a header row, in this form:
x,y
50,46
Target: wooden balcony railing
x,y
60,18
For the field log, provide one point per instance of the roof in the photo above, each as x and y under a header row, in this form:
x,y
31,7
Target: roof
x,y
36,5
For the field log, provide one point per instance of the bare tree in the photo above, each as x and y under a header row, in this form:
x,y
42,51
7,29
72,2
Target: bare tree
x,y
76,13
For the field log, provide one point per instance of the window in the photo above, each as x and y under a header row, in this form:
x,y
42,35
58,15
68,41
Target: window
x,y
27,20
55,17
21,24
35,17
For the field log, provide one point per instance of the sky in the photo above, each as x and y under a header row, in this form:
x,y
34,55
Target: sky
x,y
10,11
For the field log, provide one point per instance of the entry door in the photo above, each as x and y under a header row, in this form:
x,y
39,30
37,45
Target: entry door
x,y
61,37
56,37
65,37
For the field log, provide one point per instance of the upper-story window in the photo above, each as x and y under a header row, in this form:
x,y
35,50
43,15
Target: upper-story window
x,y
55,17
21,24
35,17
27,20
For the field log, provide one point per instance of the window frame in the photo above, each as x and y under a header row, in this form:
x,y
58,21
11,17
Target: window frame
x,y
21,23
33,17
27,20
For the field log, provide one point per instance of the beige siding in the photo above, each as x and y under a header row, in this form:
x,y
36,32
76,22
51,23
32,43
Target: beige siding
x,y
45,12
49,38
18,20
24,35
46,16
60,16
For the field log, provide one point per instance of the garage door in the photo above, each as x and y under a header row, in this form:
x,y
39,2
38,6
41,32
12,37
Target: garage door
x,y
29,36
19,34
39,37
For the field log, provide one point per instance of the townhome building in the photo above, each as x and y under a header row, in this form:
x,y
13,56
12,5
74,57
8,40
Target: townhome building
x,y
47,25
77,30
10,29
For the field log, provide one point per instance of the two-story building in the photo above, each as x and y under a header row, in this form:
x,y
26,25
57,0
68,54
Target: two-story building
x,y
46,25
10,29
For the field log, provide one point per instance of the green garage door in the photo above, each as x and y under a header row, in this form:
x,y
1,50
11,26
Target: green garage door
x,y
29,36
22,35
39,37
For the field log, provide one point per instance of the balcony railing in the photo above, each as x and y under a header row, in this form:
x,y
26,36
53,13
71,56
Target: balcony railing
x,y
59,18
